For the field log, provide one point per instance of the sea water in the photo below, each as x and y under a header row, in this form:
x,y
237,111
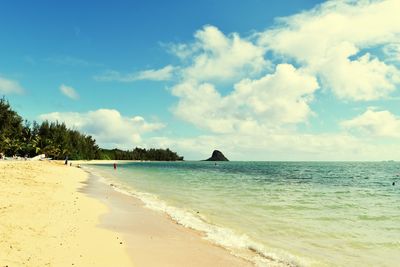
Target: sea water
x,y
278,213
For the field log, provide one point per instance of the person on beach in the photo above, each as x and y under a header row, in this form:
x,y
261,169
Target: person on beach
x,y
66,160
115,166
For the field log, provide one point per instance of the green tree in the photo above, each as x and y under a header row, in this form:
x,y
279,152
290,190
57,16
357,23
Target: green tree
x,y
11,128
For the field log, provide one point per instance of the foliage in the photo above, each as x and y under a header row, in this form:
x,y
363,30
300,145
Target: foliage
x,y
140,154
21,138
10,128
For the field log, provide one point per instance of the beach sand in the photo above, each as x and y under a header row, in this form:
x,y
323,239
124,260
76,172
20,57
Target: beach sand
x,y
54,215
45,221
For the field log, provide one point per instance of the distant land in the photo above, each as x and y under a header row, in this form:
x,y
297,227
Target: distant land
x,y
217,156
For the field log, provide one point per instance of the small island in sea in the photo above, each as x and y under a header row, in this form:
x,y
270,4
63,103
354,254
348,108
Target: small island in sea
x,y
217,156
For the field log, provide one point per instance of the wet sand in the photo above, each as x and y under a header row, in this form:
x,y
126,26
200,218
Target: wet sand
x,y
152,238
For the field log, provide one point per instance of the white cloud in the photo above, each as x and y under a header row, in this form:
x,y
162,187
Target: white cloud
x,y
364,78
182,51
107,126
282,97
374,123
69,92
215,56
309,35
8,86
163,74
254,105
324,39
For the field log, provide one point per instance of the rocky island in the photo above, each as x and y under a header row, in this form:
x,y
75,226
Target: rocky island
x,y
217,156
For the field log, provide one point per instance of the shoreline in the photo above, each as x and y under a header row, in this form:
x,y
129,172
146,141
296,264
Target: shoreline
x,y
148,232
236,244
57,215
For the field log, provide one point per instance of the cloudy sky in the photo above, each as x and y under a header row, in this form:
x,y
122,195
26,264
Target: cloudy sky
x,y
259,80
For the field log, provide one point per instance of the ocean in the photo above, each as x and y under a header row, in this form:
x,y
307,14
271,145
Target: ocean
x,y
277,213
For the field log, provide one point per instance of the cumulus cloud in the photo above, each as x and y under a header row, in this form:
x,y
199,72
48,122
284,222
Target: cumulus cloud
x,y
262,103
8,86
107,126
69,92
215,56
254,105
374,123
329,41
362,79
163,74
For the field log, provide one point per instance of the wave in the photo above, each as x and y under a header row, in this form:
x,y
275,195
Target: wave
x,y
238,244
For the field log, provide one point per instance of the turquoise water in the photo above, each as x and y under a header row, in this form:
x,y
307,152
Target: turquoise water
x,y
278,213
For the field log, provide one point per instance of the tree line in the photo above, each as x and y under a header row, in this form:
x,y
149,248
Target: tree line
x,y
21,138
140,154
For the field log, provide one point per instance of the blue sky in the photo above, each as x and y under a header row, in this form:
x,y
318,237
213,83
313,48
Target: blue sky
x,y
259,80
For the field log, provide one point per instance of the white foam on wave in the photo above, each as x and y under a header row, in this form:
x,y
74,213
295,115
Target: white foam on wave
x,y
238,244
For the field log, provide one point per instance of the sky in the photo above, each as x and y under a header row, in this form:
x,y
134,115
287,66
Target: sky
x,y
258,80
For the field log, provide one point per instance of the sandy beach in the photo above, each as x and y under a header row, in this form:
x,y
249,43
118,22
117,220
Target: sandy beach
x,y
45,221
54,215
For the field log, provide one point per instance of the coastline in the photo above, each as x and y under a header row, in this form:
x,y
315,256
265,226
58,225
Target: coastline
x,y
148,232
127,199
56,215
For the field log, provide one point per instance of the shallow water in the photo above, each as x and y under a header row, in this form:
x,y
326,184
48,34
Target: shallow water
x,y
289,213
